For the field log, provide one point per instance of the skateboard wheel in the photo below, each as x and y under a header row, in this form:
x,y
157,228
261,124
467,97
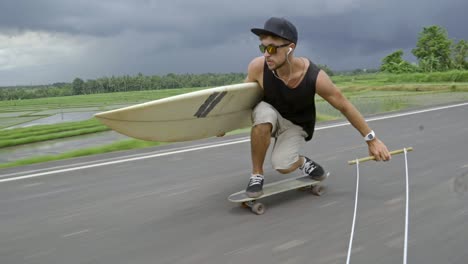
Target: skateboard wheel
x,y
258,208
318,190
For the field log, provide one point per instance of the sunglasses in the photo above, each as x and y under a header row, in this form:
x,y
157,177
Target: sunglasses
x,y
271,49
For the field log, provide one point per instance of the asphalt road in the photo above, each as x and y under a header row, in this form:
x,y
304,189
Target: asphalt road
x,y
169,205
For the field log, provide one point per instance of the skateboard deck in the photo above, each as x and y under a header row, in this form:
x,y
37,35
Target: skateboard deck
x,y
300,182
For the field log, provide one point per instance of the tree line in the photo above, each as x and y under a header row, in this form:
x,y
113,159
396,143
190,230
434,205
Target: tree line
x,y
125,83
141,82
435,53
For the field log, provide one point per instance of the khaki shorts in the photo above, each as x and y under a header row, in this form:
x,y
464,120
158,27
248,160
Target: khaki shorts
x,y
289,138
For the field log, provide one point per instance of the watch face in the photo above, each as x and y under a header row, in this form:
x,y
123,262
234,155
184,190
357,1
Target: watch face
x,y
371,136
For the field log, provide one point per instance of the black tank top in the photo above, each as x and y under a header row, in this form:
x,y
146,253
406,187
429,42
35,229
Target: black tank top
x,y
296,105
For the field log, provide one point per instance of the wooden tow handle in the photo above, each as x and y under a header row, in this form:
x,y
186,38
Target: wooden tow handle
x,y
352,162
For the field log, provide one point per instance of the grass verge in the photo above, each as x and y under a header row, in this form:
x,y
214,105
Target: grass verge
x,y
21,136
117,146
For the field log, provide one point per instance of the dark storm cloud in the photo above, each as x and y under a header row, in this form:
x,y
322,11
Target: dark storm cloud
x,y
84,17
379,28
158,37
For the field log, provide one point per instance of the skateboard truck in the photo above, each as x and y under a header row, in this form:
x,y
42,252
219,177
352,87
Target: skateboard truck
x,y
256,207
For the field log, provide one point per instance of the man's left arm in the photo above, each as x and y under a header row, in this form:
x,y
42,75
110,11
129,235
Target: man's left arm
x,y
328,91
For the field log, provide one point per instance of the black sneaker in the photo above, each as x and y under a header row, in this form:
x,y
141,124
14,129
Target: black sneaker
x,y
314,170
255,187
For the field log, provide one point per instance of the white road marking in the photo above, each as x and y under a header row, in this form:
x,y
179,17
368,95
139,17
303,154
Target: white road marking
x,y
244,249
40,254
183,191
32,184
289,245
394,201
328,204
34,174
76,233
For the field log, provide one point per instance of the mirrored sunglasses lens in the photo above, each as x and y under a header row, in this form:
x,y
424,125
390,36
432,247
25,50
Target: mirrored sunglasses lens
x,y
271,49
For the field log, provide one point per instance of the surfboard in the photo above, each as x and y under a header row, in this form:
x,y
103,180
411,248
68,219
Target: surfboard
x,y
189,116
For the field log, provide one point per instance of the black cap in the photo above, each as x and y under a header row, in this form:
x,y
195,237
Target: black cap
x,y
279,27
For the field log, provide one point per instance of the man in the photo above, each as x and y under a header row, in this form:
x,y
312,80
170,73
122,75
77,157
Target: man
x,y
287,111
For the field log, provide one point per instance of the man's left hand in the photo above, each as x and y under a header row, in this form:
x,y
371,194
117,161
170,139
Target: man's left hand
x,y
378,149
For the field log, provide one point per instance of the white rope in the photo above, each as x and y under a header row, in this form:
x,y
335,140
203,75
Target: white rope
x,y
405,253
354,215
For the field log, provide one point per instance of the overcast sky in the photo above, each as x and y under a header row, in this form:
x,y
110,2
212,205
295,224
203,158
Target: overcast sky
x,y
47,41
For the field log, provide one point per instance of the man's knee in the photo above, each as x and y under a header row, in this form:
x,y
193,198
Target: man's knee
x,y
284,171
282,164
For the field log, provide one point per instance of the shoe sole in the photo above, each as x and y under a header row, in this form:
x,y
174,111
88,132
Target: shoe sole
x,y
254,195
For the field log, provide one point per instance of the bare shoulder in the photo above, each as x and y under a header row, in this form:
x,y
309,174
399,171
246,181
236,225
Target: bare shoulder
x,y
324,83
255,69
326,89
257,62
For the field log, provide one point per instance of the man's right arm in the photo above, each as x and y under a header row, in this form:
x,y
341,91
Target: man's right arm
x,y
252,75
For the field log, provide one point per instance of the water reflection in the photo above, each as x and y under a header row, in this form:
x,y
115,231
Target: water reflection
x,y
58,146
58,118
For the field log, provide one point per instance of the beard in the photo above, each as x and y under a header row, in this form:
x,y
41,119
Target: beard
x,y
276,67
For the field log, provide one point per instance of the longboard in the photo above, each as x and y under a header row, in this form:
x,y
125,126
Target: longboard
x,y
300,182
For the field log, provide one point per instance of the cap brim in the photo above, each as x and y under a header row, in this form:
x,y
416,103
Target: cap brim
x,y
261,31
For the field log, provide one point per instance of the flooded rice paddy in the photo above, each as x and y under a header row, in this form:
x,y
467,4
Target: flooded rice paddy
x,y
367,105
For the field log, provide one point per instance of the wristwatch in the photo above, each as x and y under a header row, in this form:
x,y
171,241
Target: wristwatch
x,y
370,136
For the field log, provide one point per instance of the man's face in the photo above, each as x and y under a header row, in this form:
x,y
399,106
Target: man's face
x,y
277,60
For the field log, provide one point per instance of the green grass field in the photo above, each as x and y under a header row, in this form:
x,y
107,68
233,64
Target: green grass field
x,y
388,78
371,94
99,101
21,136
121,145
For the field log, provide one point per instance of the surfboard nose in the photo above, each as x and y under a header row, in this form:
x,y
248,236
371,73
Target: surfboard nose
x,y
195,115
